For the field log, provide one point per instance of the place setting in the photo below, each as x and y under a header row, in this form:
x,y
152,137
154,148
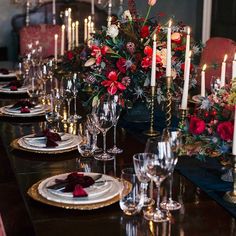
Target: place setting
x,y
7,75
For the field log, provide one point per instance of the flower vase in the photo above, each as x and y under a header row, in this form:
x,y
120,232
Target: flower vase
x,y
138,113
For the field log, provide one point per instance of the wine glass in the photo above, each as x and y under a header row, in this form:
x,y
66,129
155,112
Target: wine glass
x,y
157,168
68,95
139,167
87,141
174,137
103,120
116,108
75,93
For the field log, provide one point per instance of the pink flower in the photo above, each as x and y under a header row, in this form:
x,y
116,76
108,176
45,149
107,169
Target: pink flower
x,y
225,130
151,2
112,84
196,126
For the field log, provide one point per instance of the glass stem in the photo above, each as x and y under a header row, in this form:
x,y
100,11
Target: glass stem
x,y
75,104
158,197
144,190
114,137
104,142
171,184
68,104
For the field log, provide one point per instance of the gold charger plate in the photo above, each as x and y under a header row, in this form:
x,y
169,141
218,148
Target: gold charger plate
x,y
14,144
33,193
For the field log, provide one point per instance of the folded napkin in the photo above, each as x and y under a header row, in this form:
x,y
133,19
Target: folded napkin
x,y
76,183
4,71
14,85
22,104
24,110
51,137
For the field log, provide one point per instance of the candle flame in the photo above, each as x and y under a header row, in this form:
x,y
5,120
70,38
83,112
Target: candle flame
x,y
89,18
77,22
66,13
154,37
204,67
190,54
225,57
63,27
73,24
188,30
85,20
170,23
56,36
69,9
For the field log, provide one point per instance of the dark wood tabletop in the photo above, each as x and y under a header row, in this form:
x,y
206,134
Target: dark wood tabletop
x,y
21,215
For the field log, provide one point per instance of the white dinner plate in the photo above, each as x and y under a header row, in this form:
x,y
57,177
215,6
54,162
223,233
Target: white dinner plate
x,y
95,192
74,140
11,74
22,89
35,111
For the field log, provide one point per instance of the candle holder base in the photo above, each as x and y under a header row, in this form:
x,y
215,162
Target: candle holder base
x,y
230,196
151,132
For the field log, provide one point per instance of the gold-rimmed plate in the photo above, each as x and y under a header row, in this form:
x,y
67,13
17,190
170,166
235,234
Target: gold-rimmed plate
x,y
15,144
34,194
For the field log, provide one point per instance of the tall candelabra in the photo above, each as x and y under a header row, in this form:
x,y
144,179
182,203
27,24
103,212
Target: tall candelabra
x,y
152,132
168,101
231,195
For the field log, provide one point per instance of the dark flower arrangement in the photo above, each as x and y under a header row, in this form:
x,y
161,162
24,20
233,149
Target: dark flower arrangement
x,y
119,58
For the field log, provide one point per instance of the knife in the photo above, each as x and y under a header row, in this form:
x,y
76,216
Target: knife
x,y
62,185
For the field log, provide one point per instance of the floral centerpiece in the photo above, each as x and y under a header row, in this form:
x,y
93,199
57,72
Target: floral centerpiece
x,y
210,128
119,57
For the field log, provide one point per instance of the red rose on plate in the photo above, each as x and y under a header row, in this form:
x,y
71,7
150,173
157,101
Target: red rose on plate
x,y
225,130
144,33
196,126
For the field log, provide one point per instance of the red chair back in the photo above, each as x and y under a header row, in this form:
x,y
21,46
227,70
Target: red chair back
x,y
213,55
44,34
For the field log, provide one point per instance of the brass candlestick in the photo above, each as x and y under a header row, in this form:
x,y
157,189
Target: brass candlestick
x,y
183,116
231,195
151,132
169,101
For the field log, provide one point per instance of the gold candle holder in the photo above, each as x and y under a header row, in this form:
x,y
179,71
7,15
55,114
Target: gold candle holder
x,y
169,101
230,196
183,116
151,132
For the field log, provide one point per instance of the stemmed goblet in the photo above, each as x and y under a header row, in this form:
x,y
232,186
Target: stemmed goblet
x,y
103,118
116,108
174,137
139,167
157,168
75,93
68,95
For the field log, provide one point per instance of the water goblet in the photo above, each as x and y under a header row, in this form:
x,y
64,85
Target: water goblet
x,y
157,168
116,108
103,119
139,167
130,201
174,137
87,141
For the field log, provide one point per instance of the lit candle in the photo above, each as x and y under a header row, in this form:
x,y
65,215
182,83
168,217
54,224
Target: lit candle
x,y
73,35
85,29
187,49
203,92
77,33
108,21
234,67
55,46
69,12
154,52
54,11
62,39
168,59
223,70
89,30
69,34
234,135
186,83
92,8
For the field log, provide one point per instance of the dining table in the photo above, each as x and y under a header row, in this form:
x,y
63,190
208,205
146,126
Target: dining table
x,y
200,214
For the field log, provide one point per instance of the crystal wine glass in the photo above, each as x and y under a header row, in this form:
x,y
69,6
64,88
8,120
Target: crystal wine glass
x,y
75,93
157,168
68,95
103,119
116,108
139,167
174,137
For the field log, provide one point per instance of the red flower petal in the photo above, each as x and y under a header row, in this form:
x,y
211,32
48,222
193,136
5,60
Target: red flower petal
x,y
112,76
79,191
112,89
148,51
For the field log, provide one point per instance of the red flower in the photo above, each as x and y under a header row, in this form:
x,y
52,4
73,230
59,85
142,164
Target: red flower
x,y
146,62
144,33
112,84
96,52
104,50
121,65
196,126
176,38
70,55
225,130
148,51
